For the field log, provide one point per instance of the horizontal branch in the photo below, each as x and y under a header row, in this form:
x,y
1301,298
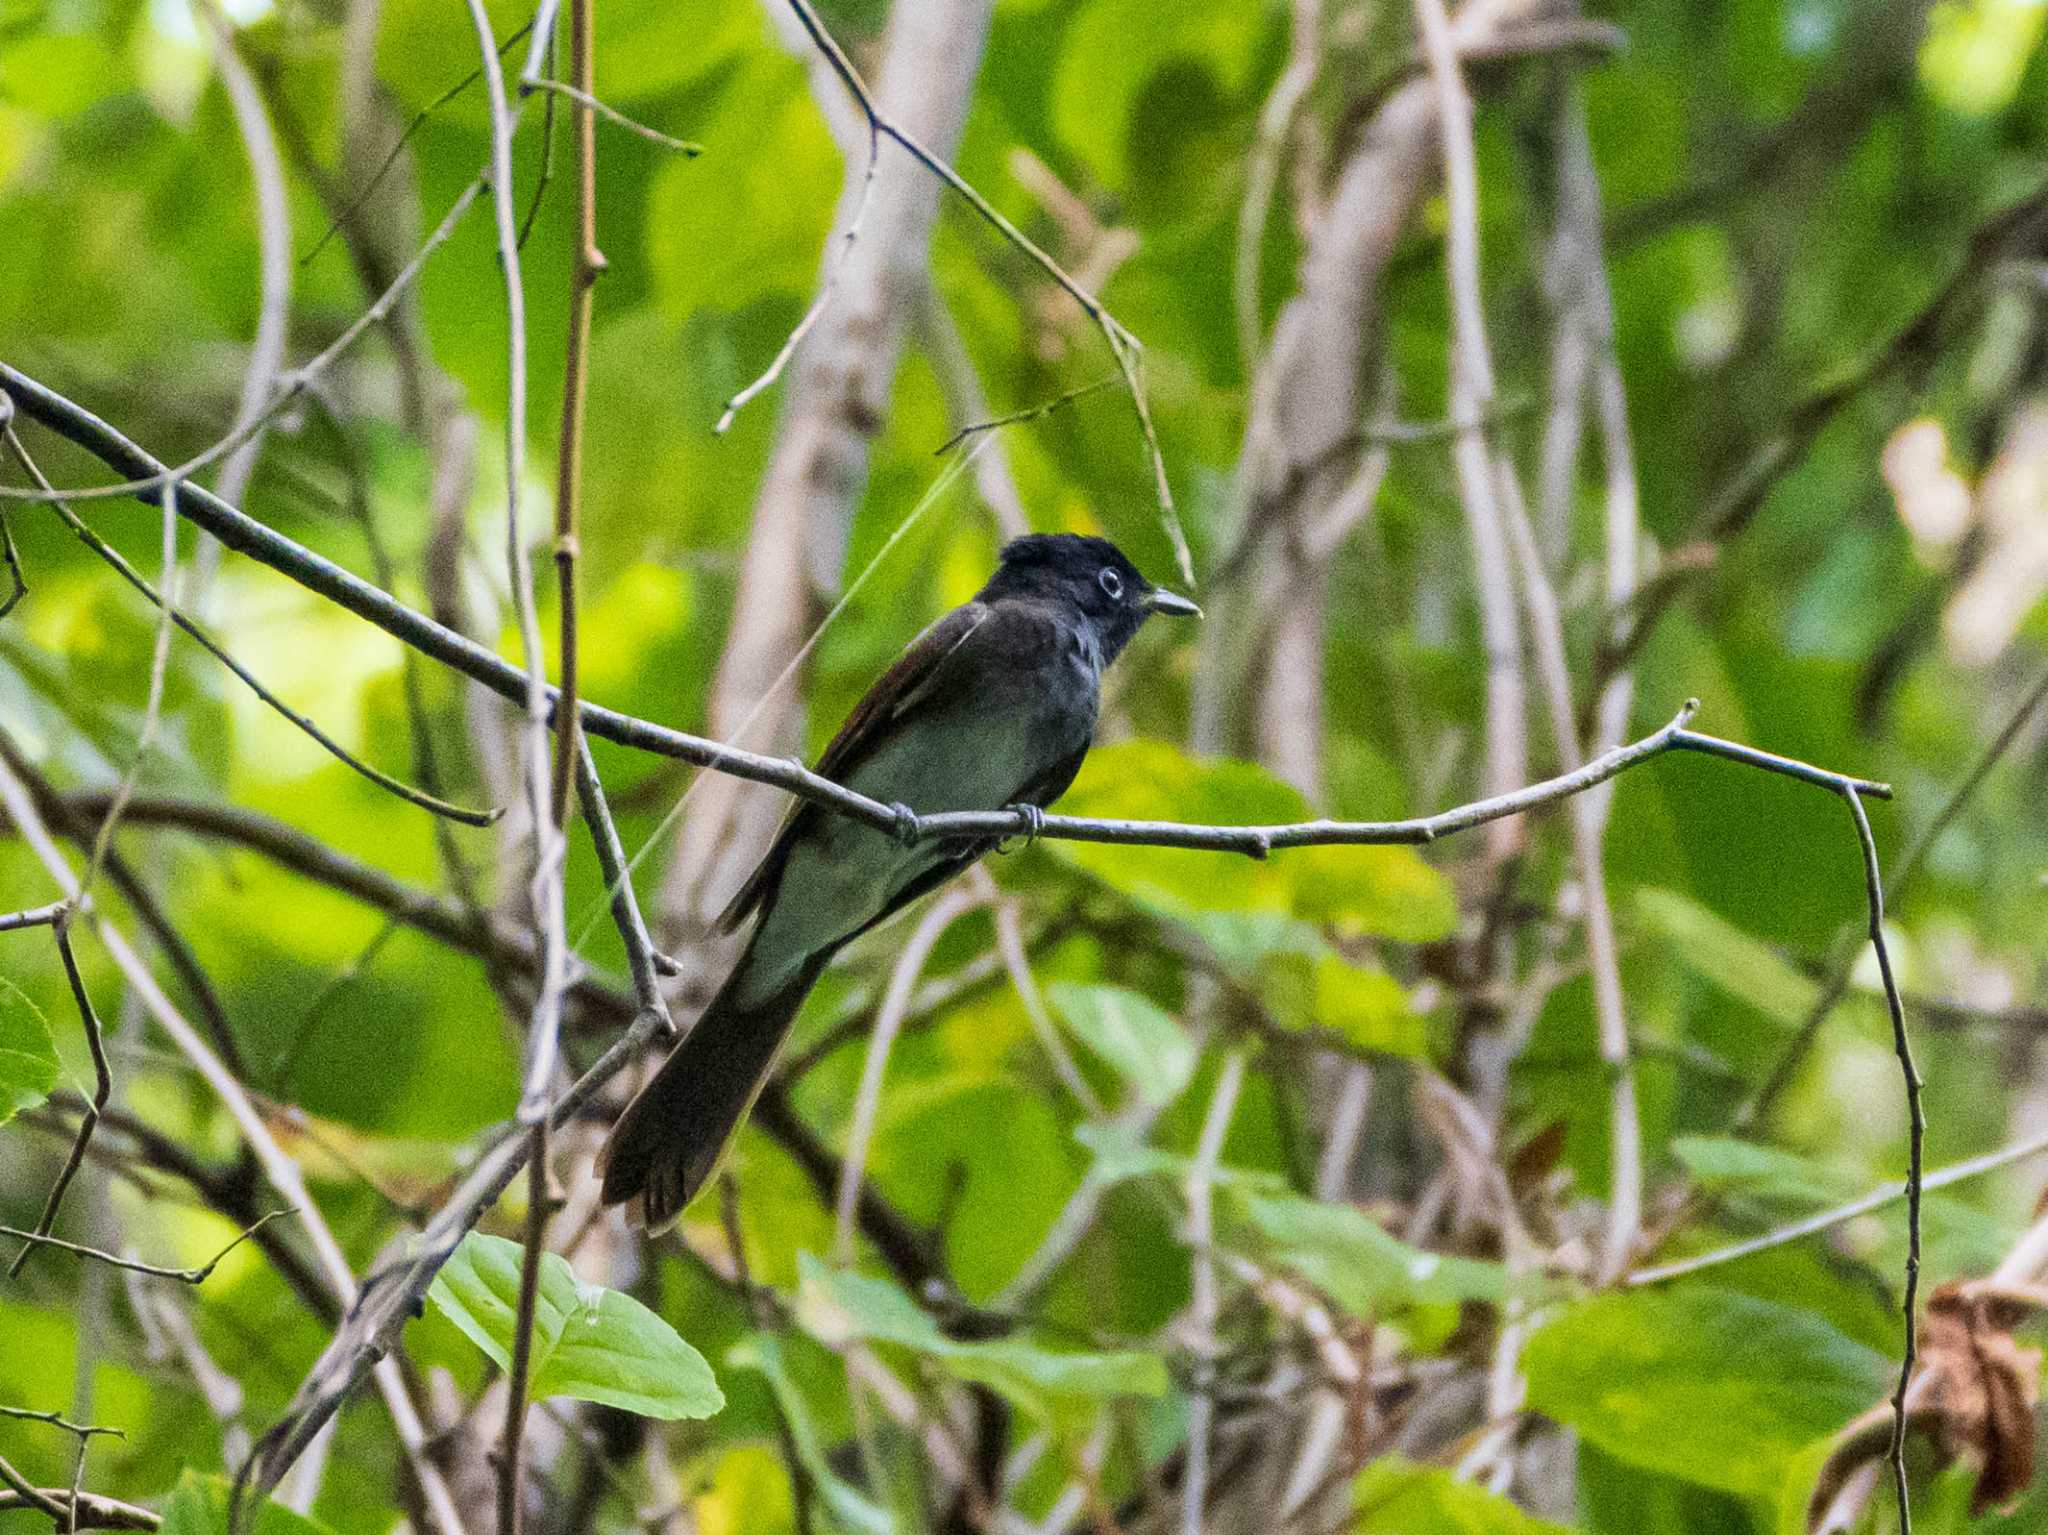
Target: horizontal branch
x,y
184,1276
1877,1199
82,1511
411,627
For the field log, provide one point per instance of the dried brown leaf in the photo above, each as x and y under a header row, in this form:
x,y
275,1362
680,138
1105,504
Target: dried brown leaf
x,y
1973,1394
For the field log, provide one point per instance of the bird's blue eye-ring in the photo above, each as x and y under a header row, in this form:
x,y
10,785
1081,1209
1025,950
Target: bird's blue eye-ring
x,y
1112,583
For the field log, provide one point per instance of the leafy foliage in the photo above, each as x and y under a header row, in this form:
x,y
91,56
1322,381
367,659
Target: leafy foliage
x,y
1836,456
588,1342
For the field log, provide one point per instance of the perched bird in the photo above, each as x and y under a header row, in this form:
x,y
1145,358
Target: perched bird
x,y
992,706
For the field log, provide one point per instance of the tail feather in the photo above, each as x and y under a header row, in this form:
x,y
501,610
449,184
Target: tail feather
x,y
673,1135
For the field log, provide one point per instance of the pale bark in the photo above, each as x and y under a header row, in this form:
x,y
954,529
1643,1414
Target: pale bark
x,y
837,399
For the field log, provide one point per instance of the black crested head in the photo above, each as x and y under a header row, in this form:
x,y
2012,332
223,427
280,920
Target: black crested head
x,y
1089,574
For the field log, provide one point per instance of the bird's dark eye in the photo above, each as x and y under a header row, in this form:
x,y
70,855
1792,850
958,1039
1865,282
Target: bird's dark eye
x,y
1112,583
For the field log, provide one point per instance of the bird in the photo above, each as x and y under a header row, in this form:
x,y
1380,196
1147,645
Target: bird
x,y
994,706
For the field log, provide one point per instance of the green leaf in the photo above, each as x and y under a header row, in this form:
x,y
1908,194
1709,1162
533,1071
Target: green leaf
x,y
1151,780
1708,1385
1398,1497
199,1506
1745,1166
850,1506
1129,1031
1382,891
1721,953
28,1054
836,1305
1363,1004
1348,1256
588,1342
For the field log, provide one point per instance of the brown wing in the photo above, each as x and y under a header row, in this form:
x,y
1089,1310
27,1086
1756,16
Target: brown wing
x,y
898,692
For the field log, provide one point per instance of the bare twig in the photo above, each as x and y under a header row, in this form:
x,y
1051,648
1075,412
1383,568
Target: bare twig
x,y
931,927
191,1276
1206,1301
511,1446
1837,985
1877,1199
833,263
103,1088
1874,891
274,248
219,652
611,114
1262,168
1031,413
419,121
1123,346
1488,478
35,916
73,1509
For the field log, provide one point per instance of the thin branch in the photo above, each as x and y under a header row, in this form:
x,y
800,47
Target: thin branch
x,y
419,120
1262,170
1874,890
1472,363
612,114
191,1276
1837,985
1032,413
213,647
75,1510
103,1088
17,582
835,262
1123,346
1010,945
931,927
1205,1304
511,1445
149,487
35,916
1877,1199
544,887
274,249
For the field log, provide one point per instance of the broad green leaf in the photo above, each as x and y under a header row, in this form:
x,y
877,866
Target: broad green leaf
x,y
1708,1385
1724,1162
1133,1034
1384,892
1346,1254
1616,1498
28,1055
1398,1497
1715,949
588,1342
199,1506
1152,780
1365,1005
836,1306
849,1505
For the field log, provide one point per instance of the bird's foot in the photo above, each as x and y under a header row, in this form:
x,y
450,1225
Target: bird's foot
x,y
1034,824
907,829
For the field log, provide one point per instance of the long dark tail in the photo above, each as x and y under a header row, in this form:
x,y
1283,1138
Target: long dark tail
x,y
671,1138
